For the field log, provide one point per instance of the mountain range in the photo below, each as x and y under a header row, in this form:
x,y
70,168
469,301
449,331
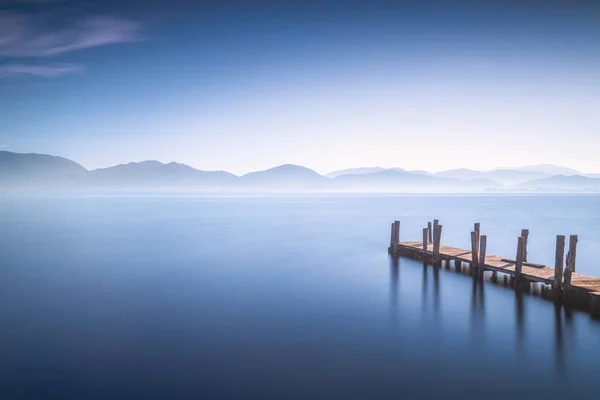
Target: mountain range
x,y
42,172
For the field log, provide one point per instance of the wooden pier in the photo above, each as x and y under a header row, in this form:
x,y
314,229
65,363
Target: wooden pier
x,y
560,283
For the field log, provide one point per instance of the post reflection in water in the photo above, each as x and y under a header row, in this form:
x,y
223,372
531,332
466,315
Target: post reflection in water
x,y
558,339
520,323
436,293
477,309
424,291
394,283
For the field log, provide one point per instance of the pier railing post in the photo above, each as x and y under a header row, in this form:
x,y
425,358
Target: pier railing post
x,y
572,251
429,233
525,234
558,265
477,228
437,238
474,251
519,261
482,249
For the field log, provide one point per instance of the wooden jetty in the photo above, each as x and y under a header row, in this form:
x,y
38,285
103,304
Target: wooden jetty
x,y
564,283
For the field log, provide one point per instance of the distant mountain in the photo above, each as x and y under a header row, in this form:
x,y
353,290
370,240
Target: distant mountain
x,y
24,170
548,169
354,171
287,177
402,181
40,171
154,174
562,183
503,176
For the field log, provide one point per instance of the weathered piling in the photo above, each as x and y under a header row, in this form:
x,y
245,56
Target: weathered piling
x,y
482,249
437,238
394,238
474,251
430,232
477,228
558,265
572,251
425,240
525,234
519,261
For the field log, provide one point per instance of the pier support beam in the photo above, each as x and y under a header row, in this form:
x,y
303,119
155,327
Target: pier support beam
x,y
558,266
595,303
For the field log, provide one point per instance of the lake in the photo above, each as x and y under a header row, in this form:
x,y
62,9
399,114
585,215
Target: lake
x,y
283,297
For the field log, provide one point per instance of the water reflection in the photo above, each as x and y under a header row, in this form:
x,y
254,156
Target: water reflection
x,y
520,316
394,283
477,308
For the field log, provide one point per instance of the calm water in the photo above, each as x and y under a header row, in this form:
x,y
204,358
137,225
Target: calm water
x,y
283,298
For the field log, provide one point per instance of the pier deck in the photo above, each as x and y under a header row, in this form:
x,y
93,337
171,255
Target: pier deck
x,y
540,273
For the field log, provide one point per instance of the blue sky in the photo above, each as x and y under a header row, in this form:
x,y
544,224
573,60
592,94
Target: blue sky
x,y
243,86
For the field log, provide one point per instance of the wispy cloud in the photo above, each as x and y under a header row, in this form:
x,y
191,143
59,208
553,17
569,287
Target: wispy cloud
x,y
27,36
53,71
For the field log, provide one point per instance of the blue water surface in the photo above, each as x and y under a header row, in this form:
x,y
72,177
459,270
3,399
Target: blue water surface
x,y
283,297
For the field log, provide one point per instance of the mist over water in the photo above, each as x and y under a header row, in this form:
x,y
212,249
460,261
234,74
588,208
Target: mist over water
x,y
283,297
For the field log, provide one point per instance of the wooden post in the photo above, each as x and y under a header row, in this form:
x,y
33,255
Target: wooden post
x,y
595,303
430,232
392,238
396,234
474,250
482,248
425,240
525,234
572,251
477,228
437,238
567,282
558,264
519,261
457,265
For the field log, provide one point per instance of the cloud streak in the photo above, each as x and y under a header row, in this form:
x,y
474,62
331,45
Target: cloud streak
x,y
26,36
53,71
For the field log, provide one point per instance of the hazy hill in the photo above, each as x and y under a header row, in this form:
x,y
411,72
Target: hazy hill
x,y
23,170
354,171
503,176
562,183
40,171
154,174
548,169
403,181
287,177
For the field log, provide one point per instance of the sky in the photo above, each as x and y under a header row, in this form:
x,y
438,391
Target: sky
x,y
247,85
